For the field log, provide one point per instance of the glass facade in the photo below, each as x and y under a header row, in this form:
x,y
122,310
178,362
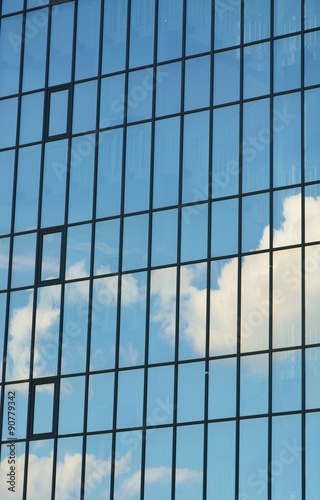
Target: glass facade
x,y
160,249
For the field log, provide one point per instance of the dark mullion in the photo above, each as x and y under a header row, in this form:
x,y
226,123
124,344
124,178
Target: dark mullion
x,y
207,348
117,346
270,365
178,274
148,294
91,282
238,354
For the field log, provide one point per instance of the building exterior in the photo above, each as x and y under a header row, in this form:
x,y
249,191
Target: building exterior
x,y
160,249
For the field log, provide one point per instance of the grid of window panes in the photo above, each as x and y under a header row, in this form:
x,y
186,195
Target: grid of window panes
x,y
160,248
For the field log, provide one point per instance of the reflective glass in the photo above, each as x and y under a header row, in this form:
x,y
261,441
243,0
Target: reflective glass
x,y
312,58
286,298
40,452
256,78
109,173
312,291
132,319
256,20
312,14
227,23
256,145
9,6
312,377
191,377
87,43
54,183
23,260
81,178
51,250
160,395
78,251
169,29
137,175
224,227
162,316
58,112
286,381
98,466
103,323
141,33
225,151
8,122
106,247
114,35
287,63
255,222
10,47
311,137
27,194
139,100
197,83
6,186
35,49
130,398
195,158
158,469
164,237
189,462
286,457
135,242
100,402
255,306
221,460
84,107
128,453
168,89
61,42
4,266
286,217
222,388
253,466
36,3
198,34
31,118
194,227
286,140
254,384
166,162
68,456
287,16
71,407
112,101
3,304
312,454
43,408
226,77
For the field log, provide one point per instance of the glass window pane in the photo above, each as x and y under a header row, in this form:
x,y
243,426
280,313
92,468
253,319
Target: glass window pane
x,y
71,407
226,77
31,119
312,14
8,6
256,145
106,247
158,461
87,44
169,29
58,112
98,466
139,100
312,454
286,217
227,24
84,107
6,187
256,20
166,162
255,222
286,140
286,381
100,402
312,58
138,157
40,452
78,251
35,50
191,391
135,242
194,231
112,101
189,462
43,408
23,261
256,78
287,63
68,456
197,83
51,250
312,291
222,388
224,227
141,33
312,378
225,151
130,397
287,16
114,35
54,183
312,131
10,46
164,237
198,36
4,259
160,395
254,384
8,122
168,89
221,460
61,43
109,173
130,455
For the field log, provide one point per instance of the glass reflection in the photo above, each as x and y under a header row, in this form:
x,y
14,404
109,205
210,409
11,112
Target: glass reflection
x,y
40,459
61,42
141,33
198,35
127,463
23,260
135,242
8,122
286,217
312,14
3,305
222,388
226,76
112,101
100,402
164,237
87,43
68,458
286,381
158,468
35,50
168,89
189,462
4,262
256,20
58,112
312,377
191,378
98,466
43,408
224,227
78,251
84,106
312,454
170,16
31,118
254,384
287,70
71,405
160,395
20,394
287,16
197,79
255,222
221,460
139,100
256,78
130,398
114,35
312,294
6,190
10,54
51,255
106,246
312,131
27,194
311,58
227,24
20,467
194,226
